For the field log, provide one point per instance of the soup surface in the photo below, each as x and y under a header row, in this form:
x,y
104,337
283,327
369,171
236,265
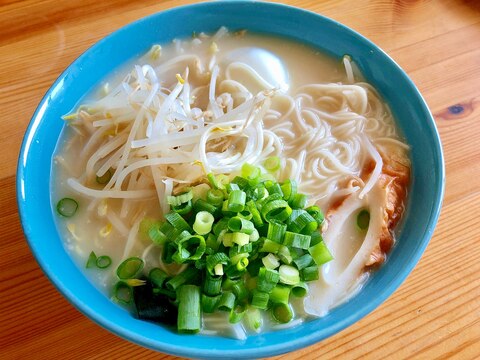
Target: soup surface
x,y
157,128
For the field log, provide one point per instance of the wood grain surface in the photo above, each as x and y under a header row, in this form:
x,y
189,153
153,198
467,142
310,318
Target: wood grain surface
x,y
434,314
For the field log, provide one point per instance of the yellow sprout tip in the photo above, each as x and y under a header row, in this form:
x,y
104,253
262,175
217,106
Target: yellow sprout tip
x,y
180,79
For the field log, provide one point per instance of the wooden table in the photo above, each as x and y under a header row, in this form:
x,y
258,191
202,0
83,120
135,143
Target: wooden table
x,y
434,314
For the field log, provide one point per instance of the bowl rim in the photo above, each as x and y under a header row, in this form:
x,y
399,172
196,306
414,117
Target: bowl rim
x,y
267,350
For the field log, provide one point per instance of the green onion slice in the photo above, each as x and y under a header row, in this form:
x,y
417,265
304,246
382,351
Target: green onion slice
x,y
67,207
189,309
203,223
103,262
157,276
123,293
282,313
272,164
363,220
129,268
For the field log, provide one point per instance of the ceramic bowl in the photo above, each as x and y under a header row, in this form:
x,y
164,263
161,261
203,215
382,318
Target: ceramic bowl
x,y
407,105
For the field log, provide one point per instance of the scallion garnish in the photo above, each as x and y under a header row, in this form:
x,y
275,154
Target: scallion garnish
x,y
123,293
247,245
91,261
363,220
103,262
189,309
272,164
130,268
203,223
67,207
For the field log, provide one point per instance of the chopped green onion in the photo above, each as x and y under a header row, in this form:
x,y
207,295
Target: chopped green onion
x,y
241,182
363,220
254,236
303,261
184,208
130,268
240,250
227,238
270,246
232,187
316,213
309,273
267,279
261,202
295,240
217,182
276,210
288,275
240,291
276,231
91,261
284,255
300,290
256,217
215,197
212,285
240,238
212,242
218,269
169,231
177,221
320,253
185,277
157,276
228,283
272,164
289,189
259,192
202,205
181,255
190,244
302,222
316,238
203,223
189,309
282,313
250,172
260,299
103,262
222,224
105,178
280,294
67,207
237,314
271,261
123,293
237,224
253,319
233,272
156,235
216,259
299,201
227,301
180,199
236,201
242,264
209,303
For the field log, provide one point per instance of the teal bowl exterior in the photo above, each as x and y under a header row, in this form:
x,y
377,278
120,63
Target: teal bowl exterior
x,y
408,106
